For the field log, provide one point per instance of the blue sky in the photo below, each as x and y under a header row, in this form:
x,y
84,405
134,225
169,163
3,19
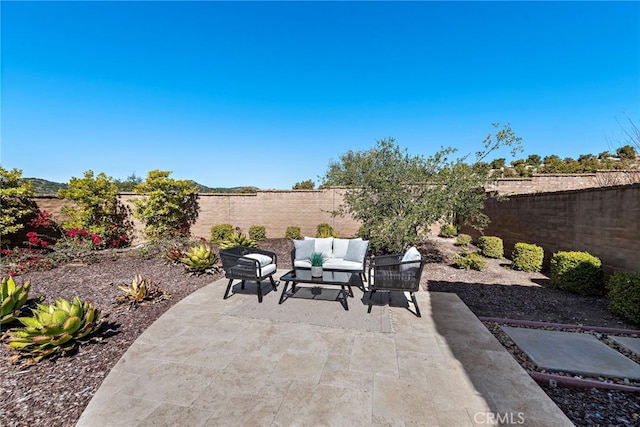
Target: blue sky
x,y
268,93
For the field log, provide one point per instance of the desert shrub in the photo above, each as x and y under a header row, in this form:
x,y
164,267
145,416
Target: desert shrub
x,y
258,233
221,232
325,230
293,232
169,206
469,261
491,246
15,194
238,239
448,230
463,240
527,257
624,292
578,272
97,210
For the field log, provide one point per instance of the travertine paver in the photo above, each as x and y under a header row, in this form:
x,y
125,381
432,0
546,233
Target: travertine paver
x,y
572,352
199,366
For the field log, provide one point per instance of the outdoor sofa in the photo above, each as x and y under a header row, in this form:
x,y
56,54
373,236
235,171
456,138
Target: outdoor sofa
x,y
339,254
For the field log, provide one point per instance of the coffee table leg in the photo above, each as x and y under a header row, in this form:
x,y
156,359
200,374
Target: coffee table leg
x,y
345,296
284,291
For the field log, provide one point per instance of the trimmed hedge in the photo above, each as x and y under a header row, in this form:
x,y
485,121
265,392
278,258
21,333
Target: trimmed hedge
x,y
325,230
470,261
624,294
577,272
491,246
221,232
463,240
257,233
527,257
448,230
293,232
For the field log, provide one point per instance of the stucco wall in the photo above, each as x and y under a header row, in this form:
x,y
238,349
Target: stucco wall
x,y
603,221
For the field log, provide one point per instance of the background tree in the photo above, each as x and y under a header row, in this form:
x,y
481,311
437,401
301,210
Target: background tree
x,y
626,152
97,209
15,202
397,197
304,185
169,207
128,184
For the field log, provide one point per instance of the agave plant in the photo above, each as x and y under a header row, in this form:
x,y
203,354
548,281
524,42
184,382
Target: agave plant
x,y
200,259
238,239
55,329
13,298
140,290
174,253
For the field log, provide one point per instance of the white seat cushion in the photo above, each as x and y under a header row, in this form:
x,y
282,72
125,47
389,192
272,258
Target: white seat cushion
x,y
262,259
304,263
267,269
412,254
341,264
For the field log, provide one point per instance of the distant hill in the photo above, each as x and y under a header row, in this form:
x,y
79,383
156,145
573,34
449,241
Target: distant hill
x,y
43,186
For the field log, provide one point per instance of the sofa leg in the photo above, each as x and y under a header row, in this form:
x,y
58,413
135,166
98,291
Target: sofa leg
x,y
242,284
259,291
226,293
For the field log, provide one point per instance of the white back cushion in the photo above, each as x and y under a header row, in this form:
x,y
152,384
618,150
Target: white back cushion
x,y
340,247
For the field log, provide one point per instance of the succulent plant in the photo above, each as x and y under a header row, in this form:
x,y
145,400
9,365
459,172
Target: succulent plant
x,y
13,298
200,259
316,259
174,253
55,329
140,290
238,239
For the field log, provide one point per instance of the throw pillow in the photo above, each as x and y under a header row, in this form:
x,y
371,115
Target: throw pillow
x,y
412,254
340,247
357,250
304,248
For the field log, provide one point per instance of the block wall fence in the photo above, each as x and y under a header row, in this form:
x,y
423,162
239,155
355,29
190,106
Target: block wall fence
x,y
274,209
602,221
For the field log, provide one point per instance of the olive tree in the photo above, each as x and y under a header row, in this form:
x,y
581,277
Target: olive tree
x,y
169,206
397,196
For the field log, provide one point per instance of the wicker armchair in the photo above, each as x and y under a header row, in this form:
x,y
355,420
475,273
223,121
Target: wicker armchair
x,y
244,263
391,273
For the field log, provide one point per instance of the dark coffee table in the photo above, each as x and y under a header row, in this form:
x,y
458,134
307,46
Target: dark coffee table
x,y
298,276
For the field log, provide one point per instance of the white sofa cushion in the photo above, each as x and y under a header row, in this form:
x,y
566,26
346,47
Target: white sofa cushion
x,y
357,250
324,245
304,248
304,263
340,247
268,269
341,264
262,259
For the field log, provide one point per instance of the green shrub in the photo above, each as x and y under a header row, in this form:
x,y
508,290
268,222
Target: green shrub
x,y
221,232
470,261
168,207
624,293
257,233
578,272
527,257
491,246
15,194
238,239
448,230
293,232
325,230
463,240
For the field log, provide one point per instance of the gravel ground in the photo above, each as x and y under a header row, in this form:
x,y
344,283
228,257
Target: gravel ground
x,y
55,392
